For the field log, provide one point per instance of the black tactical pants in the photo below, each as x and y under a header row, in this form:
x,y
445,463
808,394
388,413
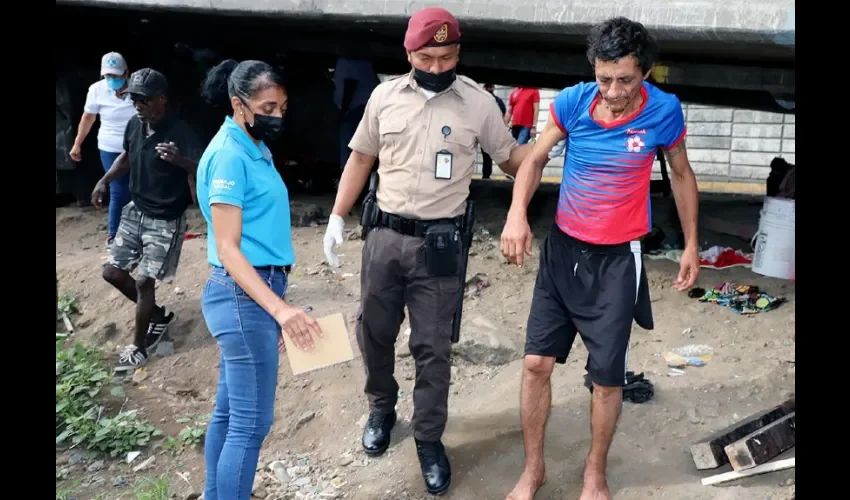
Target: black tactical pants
x,y
393,275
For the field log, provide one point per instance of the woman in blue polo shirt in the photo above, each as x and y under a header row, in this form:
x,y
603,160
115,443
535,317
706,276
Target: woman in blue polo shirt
x,y
246,206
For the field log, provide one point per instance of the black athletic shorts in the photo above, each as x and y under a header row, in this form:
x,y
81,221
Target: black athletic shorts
x,y
595,290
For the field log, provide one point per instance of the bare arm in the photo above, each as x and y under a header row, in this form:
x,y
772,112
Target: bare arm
x,y
227,225
518,155
508,114
354,177
84,128
684,184
531,171
119,167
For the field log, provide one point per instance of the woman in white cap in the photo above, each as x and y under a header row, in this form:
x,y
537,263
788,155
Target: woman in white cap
x,y
106,98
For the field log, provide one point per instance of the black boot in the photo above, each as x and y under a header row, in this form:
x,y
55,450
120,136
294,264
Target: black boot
x,y
436,470
376,434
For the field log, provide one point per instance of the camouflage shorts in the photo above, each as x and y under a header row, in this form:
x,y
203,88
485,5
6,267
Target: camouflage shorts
x,y
151,245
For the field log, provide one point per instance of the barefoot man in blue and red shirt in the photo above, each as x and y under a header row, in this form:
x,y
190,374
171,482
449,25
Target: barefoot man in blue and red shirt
x,y
591,279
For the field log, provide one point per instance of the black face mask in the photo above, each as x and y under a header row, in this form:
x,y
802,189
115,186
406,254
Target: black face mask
x,y
434,82
266,128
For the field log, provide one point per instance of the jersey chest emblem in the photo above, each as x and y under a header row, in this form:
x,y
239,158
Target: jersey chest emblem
x,y
635,144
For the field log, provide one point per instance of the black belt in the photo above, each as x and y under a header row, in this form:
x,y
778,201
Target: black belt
x,y
412,227
280,269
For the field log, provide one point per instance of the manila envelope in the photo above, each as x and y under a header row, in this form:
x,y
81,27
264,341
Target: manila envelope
x,y
332,348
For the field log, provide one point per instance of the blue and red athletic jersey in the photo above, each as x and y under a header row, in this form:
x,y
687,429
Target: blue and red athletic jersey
x,y
604,197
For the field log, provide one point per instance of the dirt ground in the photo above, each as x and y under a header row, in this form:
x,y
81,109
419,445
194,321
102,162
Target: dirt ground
x,y
319,416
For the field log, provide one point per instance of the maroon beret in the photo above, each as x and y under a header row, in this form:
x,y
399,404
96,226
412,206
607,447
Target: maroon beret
x,y
431,27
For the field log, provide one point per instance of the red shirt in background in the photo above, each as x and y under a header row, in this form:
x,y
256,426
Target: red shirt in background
x,y
522,102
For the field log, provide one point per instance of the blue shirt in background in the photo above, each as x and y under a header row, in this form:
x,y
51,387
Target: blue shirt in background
x,y
235,171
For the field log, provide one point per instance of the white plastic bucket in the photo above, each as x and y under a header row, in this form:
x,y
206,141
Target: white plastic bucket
x,y
779,208
774,243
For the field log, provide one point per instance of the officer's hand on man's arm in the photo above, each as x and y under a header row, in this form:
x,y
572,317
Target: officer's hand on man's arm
x,y
516,236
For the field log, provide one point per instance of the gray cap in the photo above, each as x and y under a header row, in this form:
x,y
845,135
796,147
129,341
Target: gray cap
x,y
148,82
112,63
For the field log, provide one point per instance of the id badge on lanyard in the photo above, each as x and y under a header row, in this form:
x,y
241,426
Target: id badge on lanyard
x,y
443,160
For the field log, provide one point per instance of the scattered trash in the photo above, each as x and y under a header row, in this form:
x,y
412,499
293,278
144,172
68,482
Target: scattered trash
x,y
139,376
146,464
689,355
695,350
638,389
743,299
716,257
475,284
677,361
132,456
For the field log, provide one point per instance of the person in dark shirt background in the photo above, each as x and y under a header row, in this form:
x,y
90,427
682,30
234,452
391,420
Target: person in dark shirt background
x,y
486,161
160,153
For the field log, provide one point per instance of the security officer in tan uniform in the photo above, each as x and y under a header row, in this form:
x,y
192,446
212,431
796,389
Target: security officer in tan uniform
x,y
425,127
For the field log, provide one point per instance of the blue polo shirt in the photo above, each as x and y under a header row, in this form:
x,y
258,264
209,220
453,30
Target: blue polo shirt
x,y
235,171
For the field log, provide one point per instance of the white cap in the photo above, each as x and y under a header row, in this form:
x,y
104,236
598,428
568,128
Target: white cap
x,y
113,63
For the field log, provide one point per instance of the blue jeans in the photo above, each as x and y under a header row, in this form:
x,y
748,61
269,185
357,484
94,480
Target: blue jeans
x,y
244,407
521,134
119,193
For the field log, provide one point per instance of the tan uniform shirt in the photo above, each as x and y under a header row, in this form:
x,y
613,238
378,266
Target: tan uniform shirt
x,y
404,129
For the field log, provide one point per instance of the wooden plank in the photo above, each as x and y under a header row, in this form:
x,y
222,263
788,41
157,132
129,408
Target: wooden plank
x,y
764,444
788,463
709,453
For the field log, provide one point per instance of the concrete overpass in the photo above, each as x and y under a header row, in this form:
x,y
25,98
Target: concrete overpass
x,y
708,47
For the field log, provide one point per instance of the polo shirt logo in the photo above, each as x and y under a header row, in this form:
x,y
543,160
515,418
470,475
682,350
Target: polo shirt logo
x,y
442,34
223,184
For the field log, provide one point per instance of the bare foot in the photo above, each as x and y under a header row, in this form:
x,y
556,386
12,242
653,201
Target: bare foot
x,y
595,488
527,486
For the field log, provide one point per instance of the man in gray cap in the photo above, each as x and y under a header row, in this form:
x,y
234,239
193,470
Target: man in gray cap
x,y
160,153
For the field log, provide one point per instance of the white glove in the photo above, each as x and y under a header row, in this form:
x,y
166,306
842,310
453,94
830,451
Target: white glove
x,y
333,236
558,149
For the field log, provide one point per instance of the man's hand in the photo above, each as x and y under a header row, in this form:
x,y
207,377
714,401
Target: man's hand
x,y
97,194
688,270
169,152
298,325
333,236
516,239
75,153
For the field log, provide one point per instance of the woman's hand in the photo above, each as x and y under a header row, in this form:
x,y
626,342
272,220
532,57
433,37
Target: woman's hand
x,y
300,327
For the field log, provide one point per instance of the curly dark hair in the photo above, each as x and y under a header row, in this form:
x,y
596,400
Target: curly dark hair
x,y
620,37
